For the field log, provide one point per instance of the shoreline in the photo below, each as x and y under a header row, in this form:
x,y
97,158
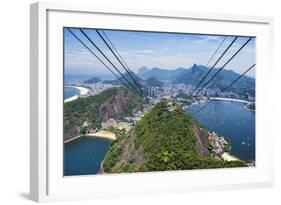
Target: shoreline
x,y
83,91
249,109
228,157
228,99
217,99
222,99
75,97
72,139
102,134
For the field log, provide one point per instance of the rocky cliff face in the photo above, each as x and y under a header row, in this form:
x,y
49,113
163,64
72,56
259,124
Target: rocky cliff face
x,y
85,114
114,108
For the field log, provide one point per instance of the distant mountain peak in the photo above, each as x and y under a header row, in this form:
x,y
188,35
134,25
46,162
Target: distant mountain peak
x,y
142,70
93,80
159,73
194,67
155,68
152,81
180,68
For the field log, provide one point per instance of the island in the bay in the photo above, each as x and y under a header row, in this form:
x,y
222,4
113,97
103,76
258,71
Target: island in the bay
x,y
154,121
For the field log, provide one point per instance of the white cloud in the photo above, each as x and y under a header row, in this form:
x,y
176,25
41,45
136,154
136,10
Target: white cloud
x,y
208,38
169,52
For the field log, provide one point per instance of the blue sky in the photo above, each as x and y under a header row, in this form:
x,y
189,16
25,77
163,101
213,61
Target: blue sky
x,y
150,49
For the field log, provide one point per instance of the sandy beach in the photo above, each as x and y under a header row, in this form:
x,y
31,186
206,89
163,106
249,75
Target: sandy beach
x,y
228,157
102,134
82,92
71,98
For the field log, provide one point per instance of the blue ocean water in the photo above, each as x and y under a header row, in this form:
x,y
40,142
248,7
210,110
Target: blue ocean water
x,y
69,92
231,120
83,156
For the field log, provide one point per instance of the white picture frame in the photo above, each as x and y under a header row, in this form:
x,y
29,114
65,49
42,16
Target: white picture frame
x,y
46,179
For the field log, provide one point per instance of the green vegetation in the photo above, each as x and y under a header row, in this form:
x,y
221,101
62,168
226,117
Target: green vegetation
x,y
86,114
114,154
164,139
120,133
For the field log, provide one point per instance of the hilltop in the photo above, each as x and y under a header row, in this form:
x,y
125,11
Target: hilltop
x,y
127,76
93,80
159,73
152,81
144,83
166,138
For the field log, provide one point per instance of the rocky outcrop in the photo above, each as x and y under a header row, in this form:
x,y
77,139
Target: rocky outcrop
x,y
87,114
114,108
71,133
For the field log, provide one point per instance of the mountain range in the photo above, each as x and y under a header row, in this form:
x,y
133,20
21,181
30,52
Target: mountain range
x,y
191,76
194,74
93,80
151,81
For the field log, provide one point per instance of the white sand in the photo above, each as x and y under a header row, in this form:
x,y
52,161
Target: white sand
x,y
71,99
228,157
102,134
82,92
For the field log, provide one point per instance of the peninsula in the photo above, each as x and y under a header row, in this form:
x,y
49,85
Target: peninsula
x,y
167,138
